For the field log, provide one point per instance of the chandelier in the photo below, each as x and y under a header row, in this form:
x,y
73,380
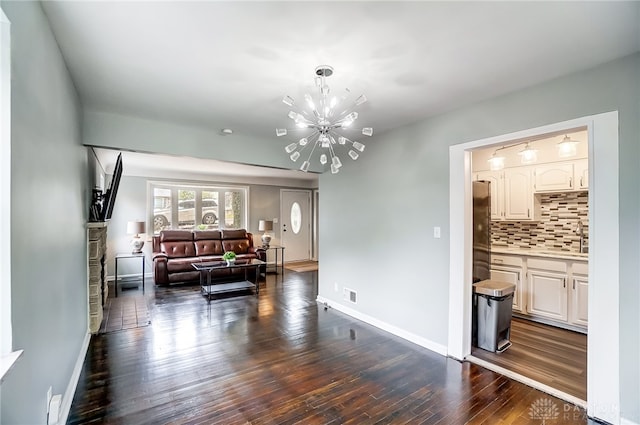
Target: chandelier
x,y
326,123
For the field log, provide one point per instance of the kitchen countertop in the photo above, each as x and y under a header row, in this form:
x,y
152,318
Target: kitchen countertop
x,y
535,252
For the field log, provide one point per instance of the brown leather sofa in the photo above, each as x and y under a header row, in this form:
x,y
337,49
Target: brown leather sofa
x,y
174,252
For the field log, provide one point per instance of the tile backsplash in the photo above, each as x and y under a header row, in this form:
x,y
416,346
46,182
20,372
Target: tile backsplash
x,y
556,229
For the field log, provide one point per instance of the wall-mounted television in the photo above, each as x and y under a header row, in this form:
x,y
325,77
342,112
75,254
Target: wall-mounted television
x,y
110,194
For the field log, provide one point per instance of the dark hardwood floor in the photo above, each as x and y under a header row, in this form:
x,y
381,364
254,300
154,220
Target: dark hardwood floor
x,y
553,356
281,358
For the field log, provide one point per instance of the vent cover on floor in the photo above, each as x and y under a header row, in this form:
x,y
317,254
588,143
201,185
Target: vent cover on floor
x,y
349,295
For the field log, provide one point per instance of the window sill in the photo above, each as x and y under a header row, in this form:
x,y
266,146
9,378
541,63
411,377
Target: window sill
x,y
7,361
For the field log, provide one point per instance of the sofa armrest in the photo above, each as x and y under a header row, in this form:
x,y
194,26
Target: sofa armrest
x,y
261,254
160,271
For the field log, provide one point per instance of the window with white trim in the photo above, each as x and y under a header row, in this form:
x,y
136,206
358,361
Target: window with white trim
x,y
194,206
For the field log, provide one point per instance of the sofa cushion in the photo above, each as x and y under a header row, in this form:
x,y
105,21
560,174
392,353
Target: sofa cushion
x,y
207,234
178,249
208,247
239,246
181,264
176,235
234,234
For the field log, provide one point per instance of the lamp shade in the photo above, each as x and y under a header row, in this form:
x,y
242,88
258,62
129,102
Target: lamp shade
x,y
265,225
135,227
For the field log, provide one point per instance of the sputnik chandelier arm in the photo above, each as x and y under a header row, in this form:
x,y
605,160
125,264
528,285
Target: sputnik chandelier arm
x,y
327,126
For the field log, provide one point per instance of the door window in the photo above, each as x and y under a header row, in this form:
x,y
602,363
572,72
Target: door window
x,y
296,218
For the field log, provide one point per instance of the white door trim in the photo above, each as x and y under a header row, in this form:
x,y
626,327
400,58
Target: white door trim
x,y
603,383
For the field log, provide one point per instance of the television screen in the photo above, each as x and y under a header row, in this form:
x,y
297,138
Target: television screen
x,y
110,195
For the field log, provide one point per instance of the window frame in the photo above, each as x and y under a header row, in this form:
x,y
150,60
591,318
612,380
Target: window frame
x,y
199,188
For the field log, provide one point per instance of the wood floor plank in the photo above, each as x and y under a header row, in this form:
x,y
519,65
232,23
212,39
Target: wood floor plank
x,y
550,355
280,358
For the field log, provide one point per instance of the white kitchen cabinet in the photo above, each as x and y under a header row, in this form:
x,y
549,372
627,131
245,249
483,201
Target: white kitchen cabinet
x,y
510,275
579,312
547,295
497,191
511,194
554,177
581,174
518,194
509,268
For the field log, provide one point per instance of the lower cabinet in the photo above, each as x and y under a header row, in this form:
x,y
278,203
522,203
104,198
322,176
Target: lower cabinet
x,y
579,295
548,295
549,290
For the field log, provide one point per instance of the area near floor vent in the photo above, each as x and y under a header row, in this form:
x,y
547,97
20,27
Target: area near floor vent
x,y
349,294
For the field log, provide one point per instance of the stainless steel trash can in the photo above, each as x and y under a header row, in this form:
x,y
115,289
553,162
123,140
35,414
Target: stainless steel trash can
x,y
492,304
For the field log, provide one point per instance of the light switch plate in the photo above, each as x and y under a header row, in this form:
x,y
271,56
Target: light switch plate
x,y
436,232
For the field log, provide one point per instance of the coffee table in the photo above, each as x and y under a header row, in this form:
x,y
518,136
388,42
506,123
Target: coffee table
x,y
209,288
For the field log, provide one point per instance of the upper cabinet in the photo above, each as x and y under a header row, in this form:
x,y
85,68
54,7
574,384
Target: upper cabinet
x,y
561,176
581,173
553,177
511,194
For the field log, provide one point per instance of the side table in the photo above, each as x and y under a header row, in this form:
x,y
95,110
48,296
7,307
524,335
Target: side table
x,y
279,252
122,255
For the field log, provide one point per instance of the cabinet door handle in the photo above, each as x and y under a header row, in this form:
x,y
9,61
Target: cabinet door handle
x,y
581,182
528,212
564,282
570,181
574,284
498,260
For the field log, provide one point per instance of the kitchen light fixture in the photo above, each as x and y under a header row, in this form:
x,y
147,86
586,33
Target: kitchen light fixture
x,y
528,155
567,147
327,124
496,162
135,228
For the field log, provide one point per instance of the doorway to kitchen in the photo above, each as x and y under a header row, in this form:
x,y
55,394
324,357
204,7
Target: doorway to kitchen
x,y
537,237
603,394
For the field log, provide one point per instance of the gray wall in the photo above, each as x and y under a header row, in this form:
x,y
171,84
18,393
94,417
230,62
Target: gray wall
x,y
264,203
399,191
49,193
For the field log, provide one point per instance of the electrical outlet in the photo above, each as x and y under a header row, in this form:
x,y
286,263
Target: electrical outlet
x,y
49,395
436,232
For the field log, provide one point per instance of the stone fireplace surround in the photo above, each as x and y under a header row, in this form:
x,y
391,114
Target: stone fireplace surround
x,y
98,289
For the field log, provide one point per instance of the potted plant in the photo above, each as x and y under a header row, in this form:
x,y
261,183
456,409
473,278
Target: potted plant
x,y
229,257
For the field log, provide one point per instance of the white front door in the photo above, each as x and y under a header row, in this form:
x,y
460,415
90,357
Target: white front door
x,y
295,224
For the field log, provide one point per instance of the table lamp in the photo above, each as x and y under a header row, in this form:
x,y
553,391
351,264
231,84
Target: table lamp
x,y
265,226
135,228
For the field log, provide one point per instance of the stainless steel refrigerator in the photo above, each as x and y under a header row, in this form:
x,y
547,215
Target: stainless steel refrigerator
x,y
481,230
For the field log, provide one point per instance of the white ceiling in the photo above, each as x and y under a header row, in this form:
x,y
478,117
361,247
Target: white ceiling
x,y
228,64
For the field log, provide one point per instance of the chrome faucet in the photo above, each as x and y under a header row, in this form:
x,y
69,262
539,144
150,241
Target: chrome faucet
x,y
580,232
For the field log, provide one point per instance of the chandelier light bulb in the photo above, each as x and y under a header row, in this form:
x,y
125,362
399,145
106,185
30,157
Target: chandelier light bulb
x,y
281,132
293,115
336,162
360,100
288,100
359,146
294,156
305,166
323,159
334,169
303,141
353,154
367,131
342,140
291,147
309,100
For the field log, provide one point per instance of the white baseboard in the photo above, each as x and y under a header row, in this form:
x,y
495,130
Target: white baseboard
x,y
423,342
73,382
624,421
